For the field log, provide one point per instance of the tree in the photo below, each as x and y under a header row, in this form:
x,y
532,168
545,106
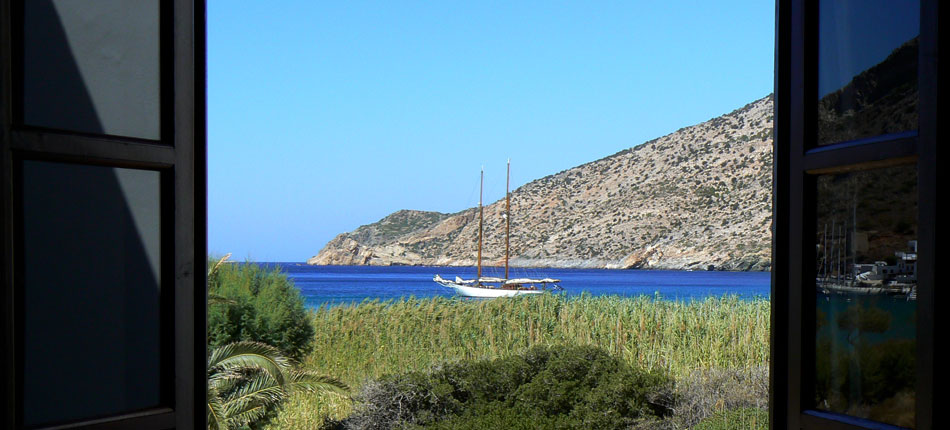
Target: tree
x,y
248,302
247,379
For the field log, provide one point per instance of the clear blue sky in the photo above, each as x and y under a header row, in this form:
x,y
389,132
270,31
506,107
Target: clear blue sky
x,y
323,116
858,34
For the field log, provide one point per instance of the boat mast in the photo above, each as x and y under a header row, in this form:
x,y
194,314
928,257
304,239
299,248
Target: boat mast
x,y
854,236
507,215
481,186
834,251
824,254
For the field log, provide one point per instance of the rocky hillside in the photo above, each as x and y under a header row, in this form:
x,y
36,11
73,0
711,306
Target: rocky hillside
x,y
699,198
879,100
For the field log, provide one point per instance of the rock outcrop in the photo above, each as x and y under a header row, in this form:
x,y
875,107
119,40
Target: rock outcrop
x,y
696,199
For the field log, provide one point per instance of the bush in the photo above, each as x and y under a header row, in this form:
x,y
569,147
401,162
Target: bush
x,y
706,393
715,399
257,304
545,387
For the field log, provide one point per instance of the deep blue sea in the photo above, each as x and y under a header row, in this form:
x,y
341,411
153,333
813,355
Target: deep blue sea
x,y
333,285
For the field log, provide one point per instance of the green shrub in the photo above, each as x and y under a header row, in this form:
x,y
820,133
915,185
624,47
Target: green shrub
x,y
257,304
556,387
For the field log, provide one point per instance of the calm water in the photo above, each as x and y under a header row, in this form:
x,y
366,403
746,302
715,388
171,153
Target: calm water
x,y
353,284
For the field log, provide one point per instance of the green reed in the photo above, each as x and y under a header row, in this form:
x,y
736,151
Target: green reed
x,y
375,338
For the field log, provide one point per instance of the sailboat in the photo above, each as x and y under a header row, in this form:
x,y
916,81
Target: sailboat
x,y
489,287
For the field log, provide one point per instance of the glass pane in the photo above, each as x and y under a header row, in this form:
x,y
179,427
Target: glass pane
x,y
91,276
867,68
866,294
92,66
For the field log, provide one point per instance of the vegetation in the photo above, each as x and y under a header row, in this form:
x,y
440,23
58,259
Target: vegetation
x,y
720,398
379,338
715,349
246,380
736,419
544,387
254,303
864,368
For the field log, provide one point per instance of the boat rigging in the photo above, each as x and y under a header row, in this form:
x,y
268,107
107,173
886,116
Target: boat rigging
x,y
487,287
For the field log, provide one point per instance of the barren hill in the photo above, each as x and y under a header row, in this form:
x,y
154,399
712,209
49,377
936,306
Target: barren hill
x,y
699,198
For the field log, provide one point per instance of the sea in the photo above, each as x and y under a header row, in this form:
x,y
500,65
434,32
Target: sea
x,y
347,285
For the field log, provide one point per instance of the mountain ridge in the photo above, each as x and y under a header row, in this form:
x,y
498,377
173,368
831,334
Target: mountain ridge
x,y
697,198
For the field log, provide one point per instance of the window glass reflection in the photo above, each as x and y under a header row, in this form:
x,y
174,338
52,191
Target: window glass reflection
x,y
92,66
866,290
867,68
91,291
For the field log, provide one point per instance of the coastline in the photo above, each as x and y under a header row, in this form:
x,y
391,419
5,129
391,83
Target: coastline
x,y
573,264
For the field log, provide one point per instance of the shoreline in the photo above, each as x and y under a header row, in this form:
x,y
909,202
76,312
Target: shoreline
x,y
573,267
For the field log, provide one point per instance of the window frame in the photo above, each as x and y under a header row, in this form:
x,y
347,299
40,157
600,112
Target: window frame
x,y
179,155
796,164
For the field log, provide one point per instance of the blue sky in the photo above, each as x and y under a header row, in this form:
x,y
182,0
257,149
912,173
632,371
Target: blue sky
x,y
323,116
858,34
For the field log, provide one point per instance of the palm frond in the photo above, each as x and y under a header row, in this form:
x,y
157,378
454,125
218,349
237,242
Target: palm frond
x,y
249,355
216,415
261,389
314,382
248,416
222,378
245,379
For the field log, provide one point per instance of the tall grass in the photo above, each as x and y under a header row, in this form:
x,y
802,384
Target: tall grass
x,y
374,338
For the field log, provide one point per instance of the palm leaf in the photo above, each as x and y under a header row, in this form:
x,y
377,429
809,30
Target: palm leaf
x,y
245,379
216,416
313,382
260,390
249,355
248,416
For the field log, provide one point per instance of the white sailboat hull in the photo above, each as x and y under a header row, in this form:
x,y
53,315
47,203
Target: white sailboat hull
x,y
485,288
473,291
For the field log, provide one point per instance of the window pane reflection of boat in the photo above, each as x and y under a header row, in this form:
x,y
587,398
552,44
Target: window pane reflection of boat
x,y
866,290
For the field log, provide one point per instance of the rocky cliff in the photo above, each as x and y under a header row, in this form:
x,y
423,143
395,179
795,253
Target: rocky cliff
x,y
699,198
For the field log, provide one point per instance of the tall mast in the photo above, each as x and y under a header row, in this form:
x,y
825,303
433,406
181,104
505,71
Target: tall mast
x,y
507,215
844,253
481,186
854,236
824,254
834,250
